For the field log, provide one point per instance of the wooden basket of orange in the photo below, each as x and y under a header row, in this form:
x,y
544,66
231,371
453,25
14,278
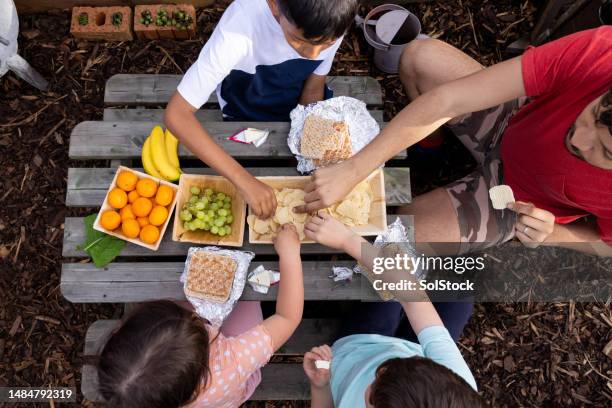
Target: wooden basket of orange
x,y
137,208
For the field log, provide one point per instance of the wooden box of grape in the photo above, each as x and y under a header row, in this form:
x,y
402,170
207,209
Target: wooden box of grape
x,y
117,233
202,214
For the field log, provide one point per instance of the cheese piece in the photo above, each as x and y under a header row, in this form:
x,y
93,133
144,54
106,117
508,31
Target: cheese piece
x,y
322,364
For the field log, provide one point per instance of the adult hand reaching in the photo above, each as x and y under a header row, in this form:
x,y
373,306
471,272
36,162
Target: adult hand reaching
x,y
329,185
533,225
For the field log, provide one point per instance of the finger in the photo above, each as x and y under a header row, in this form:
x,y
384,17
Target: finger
x,y
311,196
533,234
324,215
535,223
527,241
311,207
317,220
313,228
256,210
310,234
521,207
311,186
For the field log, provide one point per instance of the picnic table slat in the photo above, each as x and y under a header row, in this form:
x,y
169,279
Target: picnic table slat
x,y
93,140
127,282
74,235
156,89
87,187
310,332
157,115
295,384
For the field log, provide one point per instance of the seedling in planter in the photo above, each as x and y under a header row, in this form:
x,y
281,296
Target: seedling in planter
x,y
146,18
83,19
162,18
117,19
182,20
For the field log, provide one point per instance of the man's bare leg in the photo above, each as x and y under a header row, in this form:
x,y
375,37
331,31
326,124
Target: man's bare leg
x,y
426,64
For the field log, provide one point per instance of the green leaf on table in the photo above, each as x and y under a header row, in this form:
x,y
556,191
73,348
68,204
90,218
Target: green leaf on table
x,y
101,247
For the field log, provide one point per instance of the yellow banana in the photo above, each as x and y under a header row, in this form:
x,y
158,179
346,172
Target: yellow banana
x,y
160,157
172,149
147,161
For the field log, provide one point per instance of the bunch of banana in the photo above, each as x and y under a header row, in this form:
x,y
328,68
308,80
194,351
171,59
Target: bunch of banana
x,y
160,155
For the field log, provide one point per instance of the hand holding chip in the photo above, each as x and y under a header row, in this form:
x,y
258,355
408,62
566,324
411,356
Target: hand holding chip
x,y
319,377
533,225
287,241
328,231
259,196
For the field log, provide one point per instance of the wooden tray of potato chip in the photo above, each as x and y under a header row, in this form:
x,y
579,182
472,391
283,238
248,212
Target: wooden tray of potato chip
x,y
219,184
377,222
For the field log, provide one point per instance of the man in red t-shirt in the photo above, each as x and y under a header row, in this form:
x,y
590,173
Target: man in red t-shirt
x,y
540,123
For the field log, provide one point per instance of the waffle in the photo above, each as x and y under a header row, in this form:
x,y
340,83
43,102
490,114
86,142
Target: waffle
x,y
210,276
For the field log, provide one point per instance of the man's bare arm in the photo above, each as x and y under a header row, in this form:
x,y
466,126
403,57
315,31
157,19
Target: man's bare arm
x,y
314,89
579,236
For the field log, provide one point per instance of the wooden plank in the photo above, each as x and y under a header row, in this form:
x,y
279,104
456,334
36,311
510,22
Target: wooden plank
x,y
87,187
100,140
151,89
279,382
157,115
74,235
121,282
310,333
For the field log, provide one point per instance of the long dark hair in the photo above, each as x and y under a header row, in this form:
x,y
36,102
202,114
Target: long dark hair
x,y
158,358
418,382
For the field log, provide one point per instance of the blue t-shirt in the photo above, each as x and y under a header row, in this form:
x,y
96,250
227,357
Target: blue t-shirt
x,y
257,74
356,358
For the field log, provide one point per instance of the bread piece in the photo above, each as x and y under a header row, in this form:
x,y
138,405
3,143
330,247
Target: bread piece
x,y
210,276
321,135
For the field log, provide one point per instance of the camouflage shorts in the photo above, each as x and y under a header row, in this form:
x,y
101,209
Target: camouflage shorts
x,y
481,132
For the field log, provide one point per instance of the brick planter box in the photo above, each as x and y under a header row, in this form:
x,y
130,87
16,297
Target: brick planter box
x,y
98,23
153,31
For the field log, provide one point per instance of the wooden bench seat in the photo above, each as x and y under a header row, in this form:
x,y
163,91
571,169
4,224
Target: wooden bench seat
x,y
156,89
87,187
295,385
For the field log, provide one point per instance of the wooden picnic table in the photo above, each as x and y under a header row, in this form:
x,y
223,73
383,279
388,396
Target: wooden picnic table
x,y
134,104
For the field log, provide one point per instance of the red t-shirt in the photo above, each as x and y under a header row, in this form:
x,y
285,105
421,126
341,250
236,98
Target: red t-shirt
x,y
562,78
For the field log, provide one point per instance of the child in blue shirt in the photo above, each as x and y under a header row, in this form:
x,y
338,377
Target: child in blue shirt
x,y
263,59
373,370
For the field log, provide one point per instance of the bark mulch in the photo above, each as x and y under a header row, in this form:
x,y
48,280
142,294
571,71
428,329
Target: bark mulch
x,y
541,354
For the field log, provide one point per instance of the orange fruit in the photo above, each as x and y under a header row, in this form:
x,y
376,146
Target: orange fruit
x,y
130,228
143,221
126,180
164,195
142,207
158,215
126,213
146,187
117,198
132,196
149,234
110,220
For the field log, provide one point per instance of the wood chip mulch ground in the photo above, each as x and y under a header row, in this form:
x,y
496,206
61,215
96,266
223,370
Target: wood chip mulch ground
x,y
540,354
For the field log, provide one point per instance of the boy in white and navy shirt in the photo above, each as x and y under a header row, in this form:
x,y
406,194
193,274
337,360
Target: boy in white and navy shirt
x,y
263,58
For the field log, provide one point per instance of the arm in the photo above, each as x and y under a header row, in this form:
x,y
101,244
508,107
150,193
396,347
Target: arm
x,y
492,86
320,390
582,237
314,89
180,119
290,299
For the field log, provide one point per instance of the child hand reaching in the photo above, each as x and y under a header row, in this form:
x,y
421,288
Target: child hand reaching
x,y
328,231
320,390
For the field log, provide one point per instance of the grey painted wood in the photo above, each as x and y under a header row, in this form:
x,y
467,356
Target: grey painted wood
x,y
310,333
156,89
157,115
92,140
279,382
74,234
121,282
87,187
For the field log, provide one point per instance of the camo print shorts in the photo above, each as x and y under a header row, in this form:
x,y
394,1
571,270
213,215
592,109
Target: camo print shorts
x,y
480,225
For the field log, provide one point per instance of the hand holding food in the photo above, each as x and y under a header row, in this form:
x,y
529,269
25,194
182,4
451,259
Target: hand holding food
x,y
259,196
319,377
287,242
533,225
328,231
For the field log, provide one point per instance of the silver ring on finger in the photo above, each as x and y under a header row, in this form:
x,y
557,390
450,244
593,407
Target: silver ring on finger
x,y
525,230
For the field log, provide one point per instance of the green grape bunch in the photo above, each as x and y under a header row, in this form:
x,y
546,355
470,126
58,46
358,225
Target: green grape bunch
x,y
208,210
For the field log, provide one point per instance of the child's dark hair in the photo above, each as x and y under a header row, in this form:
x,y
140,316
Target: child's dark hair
x,y
319,20
417,382
157,358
